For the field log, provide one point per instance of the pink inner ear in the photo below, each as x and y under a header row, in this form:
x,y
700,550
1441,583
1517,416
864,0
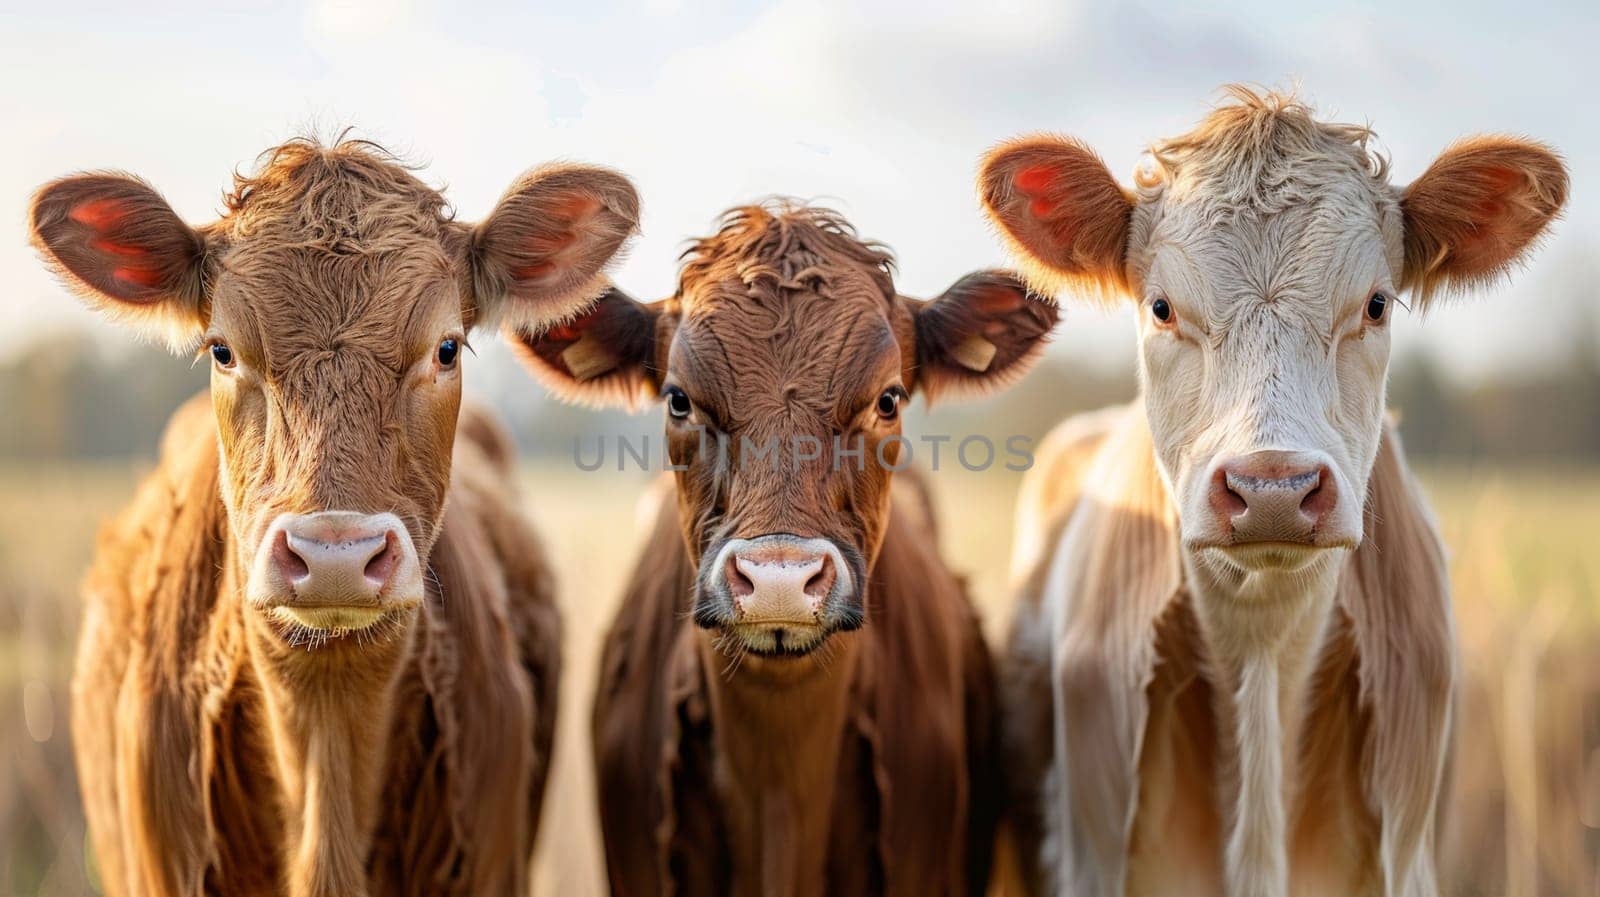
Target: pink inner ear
x,y
144,277
576,207
572,212
552,244
1035,179
545,249
117,248
1502,179
534,271
99,213
1488,210
996,301
572,330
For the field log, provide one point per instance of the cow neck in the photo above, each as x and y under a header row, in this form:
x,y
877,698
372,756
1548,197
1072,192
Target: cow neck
x,y
328,712
1263,633
778,725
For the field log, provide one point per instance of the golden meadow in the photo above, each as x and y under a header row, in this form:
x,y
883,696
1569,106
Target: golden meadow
x,y
1512,470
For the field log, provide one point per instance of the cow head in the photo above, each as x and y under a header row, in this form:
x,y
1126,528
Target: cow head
x,y
1267,253
784,363
333,301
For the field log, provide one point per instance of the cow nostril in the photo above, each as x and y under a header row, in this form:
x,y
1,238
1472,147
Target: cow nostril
x,y
1224,499
1235,502
1312,498
1321,499
821,582
381,565
290,563
738,583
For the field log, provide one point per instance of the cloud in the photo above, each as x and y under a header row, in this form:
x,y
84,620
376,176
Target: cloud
x,y
363,21
881,110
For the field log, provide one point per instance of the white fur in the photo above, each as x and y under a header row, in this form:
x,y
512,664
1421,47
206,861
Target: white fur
x,y
1268,256
1271,352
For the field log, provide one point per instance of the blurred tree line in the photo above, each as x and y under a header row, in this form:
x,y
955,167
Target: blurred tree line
x,y
67,398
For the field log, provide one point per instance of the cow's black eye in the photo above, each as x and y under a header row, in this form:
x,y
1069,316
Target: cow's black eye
x,y
448,351
1162,309
222,355
1376,306
889,404
678,404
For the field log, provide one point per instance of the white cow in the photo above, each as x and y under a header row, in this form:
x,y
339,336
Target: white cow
x,y
1233,667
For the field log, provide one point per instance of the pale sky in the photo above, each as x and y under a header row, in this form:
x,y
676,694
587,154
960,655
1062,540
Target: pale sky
x,y
882,113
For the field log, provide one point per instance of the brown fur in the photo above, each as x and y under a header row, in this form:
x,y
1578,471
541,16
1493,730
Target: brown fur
x,y
867,770
761,250
187,786
864,766
221,749
1053,191
1482,206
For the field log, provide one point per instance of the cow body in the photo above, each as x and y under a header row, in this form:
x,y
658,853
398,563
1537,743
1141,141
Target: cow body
x,y
191,770
1136,779
319,654
745,778
1235,670
795,696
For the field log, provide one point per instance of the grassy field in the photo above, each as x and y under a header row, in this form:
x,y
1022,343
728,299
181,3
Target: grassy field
x,y
1526,566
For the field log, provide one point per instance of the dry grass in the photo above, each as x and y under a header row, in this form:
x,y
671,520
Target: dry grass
x,y
1526,563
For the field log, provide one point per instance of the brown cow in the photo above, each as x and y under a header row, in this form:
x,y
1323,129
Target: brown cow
x,y
1234,663
825,726
318,658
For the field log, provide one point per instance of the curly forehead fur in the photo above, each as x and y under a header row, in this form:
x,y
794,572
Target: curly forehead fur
x,y
330,245
1267,152
350,197
781,243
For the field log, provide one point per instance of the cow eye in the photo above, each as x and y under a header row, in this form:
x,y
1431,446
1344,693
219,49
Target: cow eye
x,y
1162,309
222,355
889,403
678,404
1376,306
449,350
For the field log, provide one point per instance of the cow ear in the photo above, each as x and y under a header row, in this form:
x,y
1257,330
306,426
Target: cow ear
x,y
116,243
538,257
1063,214
1477,211
604,357
981,334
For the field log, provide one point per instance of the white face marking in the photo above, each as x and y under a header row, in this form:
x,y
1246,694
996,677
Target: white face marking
x,y
1268,347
